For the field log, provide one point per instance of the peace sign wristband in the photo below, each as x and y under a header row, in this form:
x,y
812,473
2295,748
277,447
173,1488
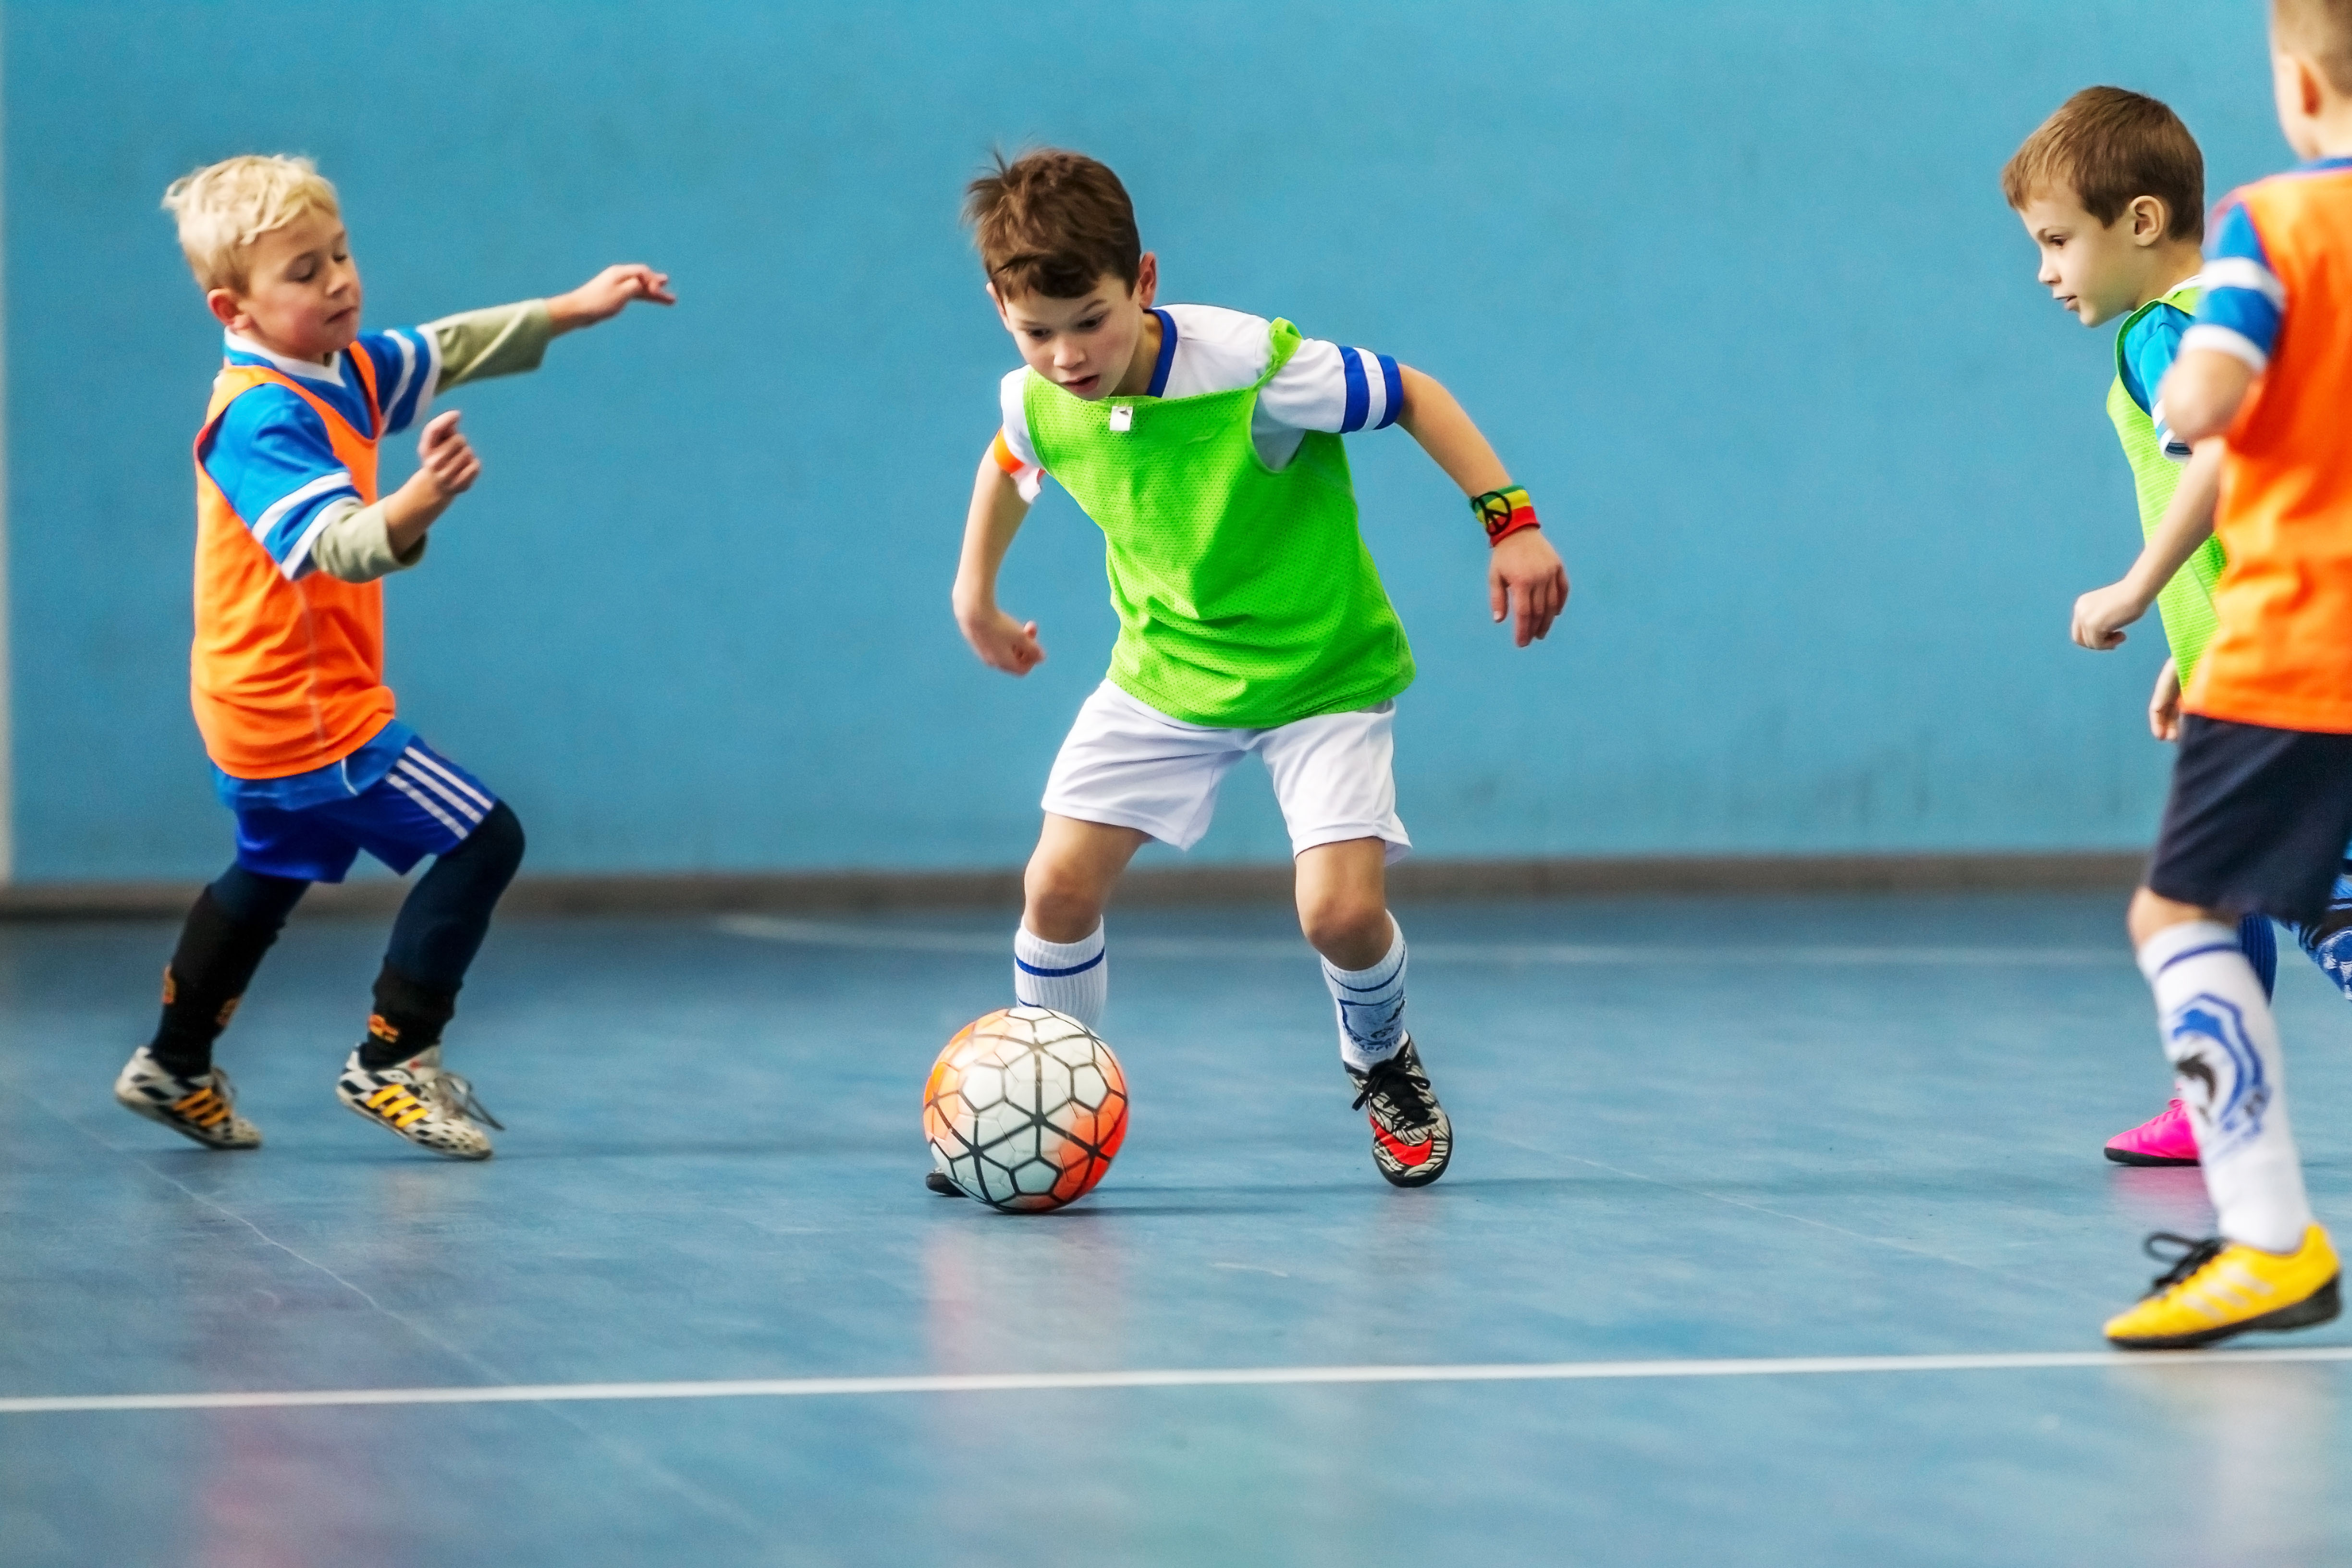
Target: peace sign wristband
x,y
1504,512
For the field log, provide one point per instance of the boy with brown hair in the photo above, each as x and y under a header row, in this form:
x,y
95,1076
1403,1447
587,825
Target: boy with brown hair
x,y
1205,443
2112,190
287,671
2262,792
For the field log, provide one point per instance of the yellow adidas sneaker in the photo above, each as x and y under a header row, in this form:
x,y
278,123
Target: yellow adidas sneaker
x,y
2217,1288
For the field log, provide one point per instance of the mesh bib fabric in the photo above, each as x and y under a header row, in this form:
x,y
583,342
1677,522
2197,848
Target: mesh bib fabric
x,y
1246,596
2186,605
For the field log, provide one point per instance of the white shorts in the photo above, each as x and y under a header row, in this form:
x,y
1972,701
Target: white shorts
x,y
1128,765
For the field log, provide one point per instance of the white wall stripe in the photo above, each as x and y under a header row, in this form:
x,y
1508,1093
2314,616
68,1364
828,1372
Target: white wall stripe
x,y
908,939
1181,1378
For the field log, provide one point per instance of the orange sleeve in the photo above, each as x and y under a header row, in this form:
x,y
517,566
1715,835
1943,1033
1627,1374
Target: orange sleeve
x,y
1003,455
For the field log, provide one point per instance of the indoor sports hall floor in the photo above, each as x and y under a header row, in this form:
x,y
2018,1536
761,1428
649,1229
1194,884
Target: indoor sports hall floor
x,y
1692,1132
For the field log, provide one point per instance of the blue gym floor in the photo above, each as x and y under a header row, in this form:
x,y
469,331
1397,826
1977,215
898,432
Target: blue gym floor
x,y
1688,1131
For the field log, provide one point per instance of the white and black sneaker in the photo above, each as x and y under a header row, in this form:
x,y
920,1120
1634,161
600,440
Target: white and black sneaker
x,y
1412,1137
431,1108
202,1108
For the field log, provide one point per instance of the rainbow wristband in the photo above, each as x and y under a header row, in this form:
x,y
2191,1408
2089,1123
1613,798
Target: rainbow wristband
x,y
1504,512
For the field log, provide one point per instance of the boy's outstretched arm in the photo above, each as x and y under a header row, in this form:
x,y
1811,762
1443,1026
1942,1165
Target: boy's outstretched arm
x,y
2101,615
1524,569
997,512
2203,391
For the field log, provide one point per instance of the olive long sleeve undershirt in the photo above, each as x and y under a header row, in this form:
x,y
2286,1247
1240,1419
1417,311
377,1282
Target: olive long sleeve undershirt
x,y
355,544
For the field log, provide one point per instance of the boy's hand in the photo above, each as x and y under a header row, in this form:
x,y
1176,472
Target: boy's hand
x,y
1001,642
1524,568
605,296
2101,615
446,469
2164,705
446,459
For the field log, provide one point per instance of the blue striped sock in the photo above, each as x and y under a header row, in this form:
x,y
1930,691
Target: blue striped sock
x,y
1071,977
1371,1005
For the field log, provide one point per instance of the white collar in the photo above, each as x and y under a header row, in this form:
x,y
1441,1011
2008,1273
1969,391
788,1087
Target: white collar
x,y
305,369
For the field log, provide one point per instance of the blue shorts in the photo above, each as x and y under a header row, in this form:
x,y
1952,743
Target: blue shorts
x,y
423,804
2257,819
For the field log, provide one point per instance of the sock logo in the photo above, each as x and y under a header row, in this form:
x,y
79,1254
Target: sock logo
x,y
2220,1071
228,1010
381,1030
171,986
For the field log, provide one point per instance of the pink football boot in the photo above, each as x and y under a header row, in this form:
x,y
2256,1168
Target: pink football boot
x,y
2163,1139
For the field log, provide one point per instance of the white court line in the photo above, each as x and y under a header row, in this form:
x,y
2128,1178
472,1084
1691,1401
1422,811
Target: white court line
x,y
905,939
1178,1377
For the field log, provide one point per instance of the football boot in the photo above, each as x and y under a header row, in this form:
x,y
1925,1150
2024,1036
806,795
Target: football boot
x,y
1412,1137
2163,1139
2218,1288
203,1107
418,1099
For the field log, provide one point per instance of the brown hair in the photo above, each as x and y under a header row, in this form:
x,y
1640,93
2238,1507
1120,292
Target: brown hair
x,y
2111,146
1052,223
2320,29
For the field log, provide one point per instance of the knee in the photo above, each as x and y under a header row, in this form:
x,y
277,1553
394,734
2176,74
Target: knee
x,y
1062,904
2152,913
495,847
1349,926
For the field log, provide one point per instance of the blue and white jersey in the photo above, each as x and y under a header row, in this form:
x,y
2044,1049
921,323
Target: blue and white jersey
x,y
2150,345
270,452
1205,348
2244,301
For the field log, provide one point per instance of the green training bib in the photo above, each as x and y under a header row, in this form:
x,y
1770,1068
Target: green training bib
x,y
2186,605
1245,596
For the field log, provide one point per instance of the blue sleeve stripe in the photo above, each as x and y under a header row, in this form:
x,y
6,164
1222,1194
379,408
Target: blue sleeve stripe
x,y
285,530
2245,272
1359,392
2244,312
2224,340
1393,388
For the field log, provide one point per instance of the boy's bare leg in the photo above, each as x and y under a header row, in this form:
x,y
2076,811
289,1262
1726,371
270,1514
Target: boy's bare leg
x,y
1058,959
2230,1073
1343,906
1071,874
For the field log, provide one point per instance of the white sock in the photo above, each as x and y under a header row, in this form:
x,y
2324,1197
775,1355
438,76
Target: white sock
x,y
1071,977
1371,1005
2224,1049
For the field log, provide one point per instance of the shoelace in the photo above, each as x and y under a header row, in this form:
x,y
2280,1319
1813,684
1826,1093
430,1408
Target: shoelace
x,y
1402,1095
455,1093
2186,1254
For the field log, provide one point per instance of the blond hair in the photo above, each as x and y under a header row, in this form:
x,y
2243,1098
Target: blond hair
x,y
223,207
2320,30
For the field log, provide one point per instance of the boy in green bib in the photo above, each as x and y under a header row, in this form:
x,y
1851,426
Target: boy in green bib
x,y
2111,189
1206,445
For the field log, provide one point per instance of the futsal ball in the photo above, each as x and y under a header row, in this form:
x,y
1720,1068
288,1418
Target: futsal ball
x,y
1024,1109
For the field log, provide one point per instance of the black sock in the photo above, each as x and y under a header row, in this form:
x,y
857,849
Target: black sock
x,y
439,929
408,1019
232,923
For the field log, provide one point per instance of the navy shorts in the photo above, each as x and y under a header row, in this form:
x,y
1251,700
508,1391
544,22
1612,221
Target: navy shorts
x,y
425,804
2257,820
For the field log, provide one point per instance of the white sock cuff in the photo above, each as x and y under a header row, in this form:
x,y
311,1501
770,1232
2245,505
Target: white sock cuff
x,y
1046,959
2173,943
1379,973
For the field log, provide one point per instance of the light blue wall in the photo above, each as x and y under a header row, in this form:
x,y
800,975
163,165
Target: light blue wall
x,y
1731,285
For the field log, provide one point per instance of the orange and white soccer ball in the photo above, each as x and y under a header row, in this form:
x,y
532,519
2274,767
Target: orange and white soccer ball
x,y
1025,1109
